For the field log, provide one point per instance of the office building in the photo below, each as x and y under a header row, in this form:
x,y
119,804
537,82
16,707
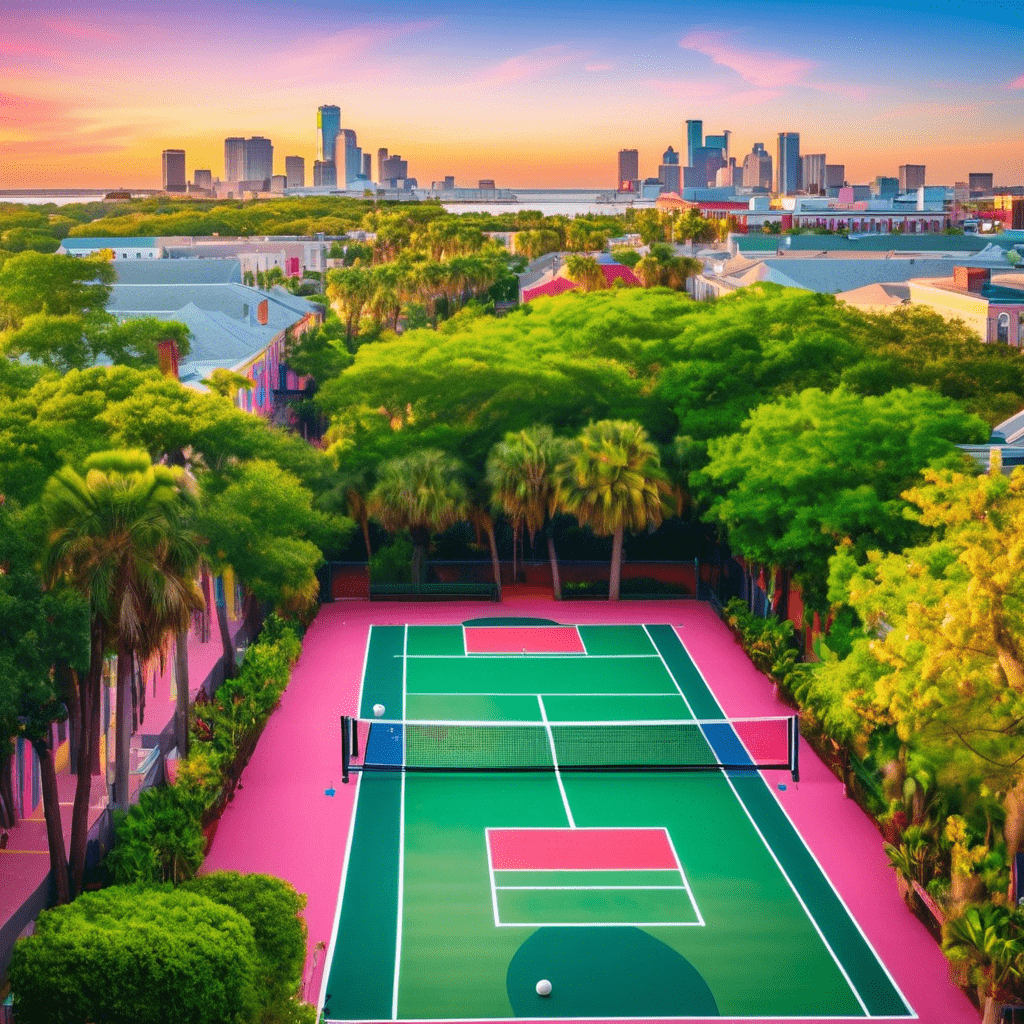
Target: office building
x,y
367,166
979,182
706,162
718,142
278,182
835,175
328,126
694,139
628,168
757,168
911,177
669,172
234,159
202,179
295,171
788,164
382,155
885,188
394,169
174,179
324,174
813,172
729,176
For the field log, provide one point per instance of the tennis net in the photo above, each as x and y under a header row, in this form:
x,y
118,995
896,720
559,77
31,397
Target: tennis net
x,y
488,746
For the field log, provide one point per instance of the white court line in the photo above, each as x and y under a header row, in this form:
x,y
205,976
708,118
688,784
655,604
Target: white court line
x,y
831,1019
817,863
518,656
682,874
767,845
589,888
582,641
554,758
328,962
491,878
401,842
614,924
523,693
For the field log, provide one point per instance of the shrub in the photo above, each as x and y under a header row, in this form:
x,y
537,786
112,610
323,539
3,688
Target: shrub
x,y
273,908
159,840
393,562
129,955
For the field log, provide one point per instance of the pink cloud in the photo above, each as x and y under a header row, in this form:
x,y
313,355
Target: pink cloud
x,y
529,66
1017,83
320,50
761,68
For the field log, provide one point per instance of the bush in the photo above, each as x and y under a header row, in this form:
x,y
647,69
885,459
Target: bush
x,y
393,563
129,955
159,840
272,907
643,586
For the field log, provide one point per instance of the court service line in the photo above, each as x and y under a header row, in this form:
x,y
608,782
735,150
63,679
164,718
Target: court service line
x,y
401,839
588,888
686,881
491,878
518,656
524,693
554,758
767,845
824,874
583,642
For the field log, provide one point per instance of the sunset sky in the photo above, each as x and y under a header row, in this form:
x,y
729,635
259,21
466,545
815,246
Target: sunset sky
x,y
531,94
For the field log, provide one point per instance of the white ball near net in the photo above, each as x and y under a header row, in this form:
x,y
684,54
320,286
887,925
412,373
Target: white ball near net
x,y
378,710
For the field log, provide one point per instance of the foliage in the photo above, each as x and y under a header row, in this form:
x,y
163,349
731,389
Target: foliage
x,y
987,940
159,839
124,955
769,642
273,908
392,563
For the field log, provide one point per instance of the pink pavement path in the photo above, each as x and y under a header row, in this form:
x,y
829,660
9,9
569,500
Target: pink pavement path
x,y
281,822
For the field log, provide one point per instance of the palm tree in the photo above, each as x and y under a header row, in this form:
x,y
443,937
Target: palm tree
x,y
612,482
121,537
521,472
421,492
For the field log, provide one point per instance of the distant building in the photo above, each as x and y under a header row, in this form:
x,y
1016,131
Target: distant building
x,y
122,248
367,166
486,183
325,174
328,126
295,171
757,168
992,307
694,139
248,159
202,179
718,142
173,161
813,172
729,176
394,169
706,162
278,182
628,168
835,175
979,182
885,188
382,155
911,177
788,167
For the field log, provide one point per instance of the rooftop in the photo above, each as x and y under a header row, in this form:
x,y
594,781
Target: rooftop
x,y
110,243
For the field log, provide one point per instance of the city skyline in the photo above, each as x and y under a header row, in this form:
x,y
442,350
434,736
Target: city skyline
x,y
539,95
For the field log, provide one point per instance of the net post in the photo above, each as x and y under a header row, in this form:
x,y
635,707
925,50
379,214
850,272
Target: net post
x,y
344,747
794,747
355,735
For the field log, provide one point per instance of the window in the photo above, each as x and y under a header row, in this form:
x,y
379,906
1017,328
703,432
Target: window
x,y
1003,329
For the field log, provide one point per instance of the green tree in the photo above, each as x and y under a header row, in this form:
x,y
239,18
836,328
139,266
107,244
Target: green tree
x,y
809,472
521,471
423,493
33,282
585,271
612,482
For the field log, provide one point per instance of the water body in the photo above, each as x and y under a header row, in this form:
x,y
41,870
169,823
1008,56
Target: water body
x,y
58,200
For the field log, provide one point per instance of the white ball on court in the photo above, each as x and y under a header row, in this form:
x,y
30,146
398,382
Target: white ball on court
x,y
378,710
544,987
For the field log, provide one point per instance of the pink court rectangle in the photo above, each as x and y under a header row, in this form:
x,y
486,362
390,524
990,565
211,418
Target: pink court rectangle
x,y
581,849
517,639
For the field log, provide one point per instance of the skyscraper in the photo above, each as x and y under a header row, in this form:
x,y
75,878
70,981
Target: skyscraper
x,y
382,155
348,157
835,175
324,174
394,169
911,177
628,167
669,171
757,167
813,171
234,159
706,162
295,171
202,178
694,139
788,168
259,158
174,170
718,142
367,166
328,125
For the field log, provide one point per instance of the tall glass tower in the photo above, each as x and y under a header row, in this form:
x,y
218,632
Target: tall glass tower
x,y
694,139
788,168
328,124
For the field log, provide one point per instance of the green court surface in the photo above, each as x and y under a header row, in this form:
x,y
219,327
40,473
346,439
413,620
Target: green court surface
x,y
637,894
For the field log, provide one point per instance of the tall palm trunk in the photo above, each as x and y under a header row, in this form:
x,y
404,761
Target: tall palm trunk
x,y
51,811
616,569
225,635
420,540
182,695
493,544
556,581
123,733
89,714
